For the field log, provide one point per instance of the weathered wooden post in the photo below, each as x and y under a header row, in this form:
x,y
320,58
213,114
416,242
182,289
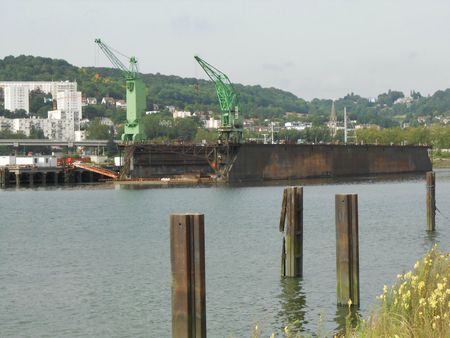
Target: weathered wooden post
x,y
187,255
347,249
431,201
292,250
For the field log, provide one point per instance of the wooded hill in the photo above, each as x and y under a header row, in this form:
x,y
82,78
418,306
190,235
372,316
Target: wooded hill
x,y
255,101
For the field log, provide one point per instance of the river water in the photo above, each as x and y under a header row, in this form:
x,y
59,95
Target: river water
x,y
94,261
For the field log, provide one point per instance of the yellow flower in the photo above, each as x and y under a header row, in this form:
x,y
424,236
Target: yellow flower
x,y
349,302
286,330
434,326
421,285
422,302
416,265
432,302
272,335
440,286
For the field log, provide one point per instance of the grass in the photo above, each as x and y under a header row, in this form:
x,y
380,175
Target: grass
x,y
417,305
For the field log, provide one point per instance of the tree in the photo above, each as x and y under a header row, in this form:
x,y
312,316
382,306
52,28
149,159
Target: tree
x,y
39,100
36,133
97,131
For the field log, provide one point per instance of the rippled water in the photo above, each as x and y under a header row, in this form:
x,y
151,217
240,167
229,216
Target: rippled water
x,y
94,262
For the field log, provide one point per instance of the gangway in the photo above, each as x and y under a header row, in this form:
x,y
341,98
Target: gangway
x,y
96,169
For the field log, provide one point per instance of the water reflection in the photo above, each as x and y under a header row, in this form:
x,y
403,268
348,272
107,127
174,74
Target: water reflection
x,y
430,238
293,304
344,315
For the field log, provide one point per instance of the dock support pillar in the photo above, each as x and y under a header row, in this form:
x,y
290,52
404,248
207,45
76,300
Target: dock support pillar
x,y
55,178
77,177
17,179
292,251
31,179
68,176
44,178
91,177
431,201
347,250
4,176
187,255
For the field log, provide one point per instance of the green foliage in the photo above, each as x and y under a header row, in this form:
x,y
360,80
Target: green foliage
x,y
98,131
418,305
163,127
200,95
210,136
437,135
36,133
38,105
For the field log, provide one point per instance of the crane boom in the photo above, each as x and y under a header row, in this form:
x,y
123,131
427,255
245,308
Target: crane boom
x,y
136,93
227,96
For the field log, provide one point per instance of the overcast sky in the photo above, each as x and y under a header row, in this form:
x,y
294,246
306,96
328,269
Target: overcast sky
x,y
317,48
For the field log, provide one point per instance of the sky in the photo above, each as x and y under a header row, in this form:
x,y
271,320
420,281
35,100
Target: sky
x,y
317,48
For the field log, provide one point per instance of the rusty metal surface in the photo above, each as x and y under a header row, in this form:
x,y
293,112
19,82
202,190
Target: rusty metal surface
x,y
280,162
259,162
187,252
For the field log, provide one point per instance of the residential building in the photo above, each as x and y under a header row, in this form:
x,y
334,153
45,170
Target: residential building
x,y
17,97
19,90
121,104
91,100
181,114
296,125
109,101
212,123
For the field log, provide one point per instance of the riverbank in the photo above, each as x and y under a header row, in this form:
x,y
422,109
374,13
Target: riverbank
x,y
417,305
441,163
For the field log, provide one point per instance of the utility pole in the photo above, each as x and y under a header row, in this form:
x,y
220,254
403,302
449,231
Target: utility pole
x,y
271,124
345,125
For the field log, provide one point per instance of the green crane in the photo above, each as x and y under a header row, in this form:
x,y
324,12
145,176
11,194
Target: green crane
x,y
136,93
231,126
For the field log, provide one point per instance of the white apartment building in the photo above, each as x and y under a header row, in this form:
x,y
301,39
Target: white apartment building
x,y
181,114
212,123
52,87
61,124
17,97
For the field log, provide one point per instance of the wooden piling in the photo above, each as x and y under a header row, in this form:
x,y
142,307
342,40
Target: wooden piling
x,y
292,250
347,249
431,201
187,254
17,179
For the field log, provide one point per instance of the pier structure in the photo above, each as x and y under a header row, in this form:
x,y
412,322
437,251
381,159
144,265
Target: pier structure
x,y
30,176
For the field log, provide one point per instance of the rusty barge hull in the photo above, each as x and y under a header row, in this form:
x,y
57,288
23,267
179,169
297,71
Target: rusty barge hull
x,y
258,162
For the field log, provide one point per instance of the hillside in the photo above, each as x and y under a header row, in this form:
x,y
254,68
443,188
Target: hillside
x,y
389,109
184,93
